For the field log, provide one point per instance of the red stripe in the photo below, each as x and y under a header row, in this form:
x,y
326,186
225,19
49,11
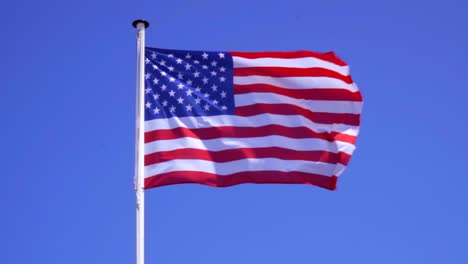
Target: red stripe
x,y
215,180
291,72
343,137
310,94
247,153
244,132
328,56
287,109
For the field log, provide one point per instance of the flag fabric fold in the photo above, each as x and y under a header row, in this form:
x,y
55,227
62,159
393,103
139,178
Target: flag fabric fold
x,y
226,118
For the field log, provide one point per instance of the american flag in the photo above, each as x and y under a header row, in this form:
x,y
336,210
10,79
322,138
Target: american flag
x,y
225,118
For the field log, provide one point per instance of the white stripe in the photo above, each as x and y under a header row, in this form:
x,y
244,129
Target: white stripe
x,y
308,62
251,121
339,107
236,166
309,144
296,82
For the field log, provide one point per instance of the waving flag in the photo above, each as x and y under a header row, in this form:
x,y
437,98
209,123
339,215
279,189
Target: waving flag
x,y
225,118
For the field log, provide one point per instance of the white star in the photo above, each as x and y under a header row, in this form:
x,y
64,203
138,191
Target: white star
x,y
147,61
148,104
188,56
164,103
222,79
196,61
180,100
207,107
163,62
224,107
204,67
189,107
153,55
187,66
215,102
171,93
214,88
170,55
222,69
156,81
213,73
189,82
223,94
206,95
155,67
205,56
197,100
196,74
205,80
156,110
189,92
180,76
147,90
156,96
198,89
163,73
172,109
171,79
180,86
214,63
147,76
221,55
171,68
163,87
179,61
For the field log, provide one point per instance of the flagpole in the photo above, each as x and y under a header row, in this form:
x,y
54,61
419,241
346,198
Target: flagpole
x,y
140,25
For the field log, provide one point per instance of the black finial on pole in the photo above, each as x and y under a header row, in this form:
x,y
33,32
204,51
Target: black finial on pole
x,y
138,21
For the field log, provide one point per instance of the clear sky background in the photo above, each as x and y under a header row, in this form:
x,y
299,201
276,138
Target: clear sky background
x,y
67,93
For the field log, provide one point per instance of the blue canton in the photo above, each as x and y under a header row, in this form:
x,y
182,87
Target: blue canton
x,y
188,83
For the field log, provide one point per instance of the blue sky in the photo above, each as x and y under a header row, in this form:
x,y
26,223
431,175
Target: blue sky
x,y
67,138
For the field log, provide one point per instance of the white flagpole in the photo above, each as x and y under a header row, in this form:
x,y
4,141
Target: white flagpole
x,y
140,25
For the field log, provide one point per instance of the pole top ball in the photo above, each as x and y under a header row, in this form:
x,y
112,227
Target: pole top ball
x,y
138,21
